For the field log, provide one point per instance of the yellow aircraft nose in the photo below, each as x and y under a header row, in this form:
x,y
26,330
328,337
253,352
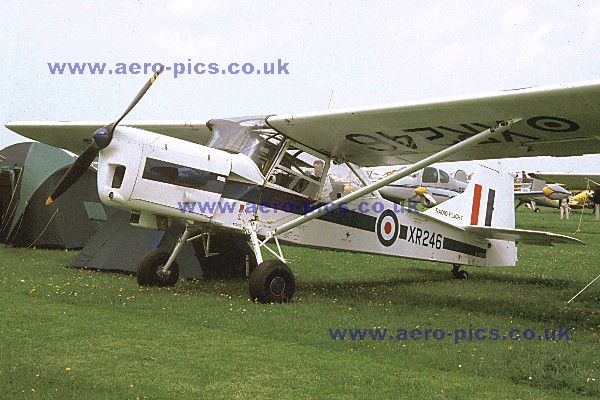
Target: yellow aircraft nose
x,y
421,190
547,191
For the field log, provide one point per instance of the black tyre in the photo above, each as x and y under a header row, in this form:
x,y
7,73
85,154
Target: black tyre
x,y
462,274
272,282
149,274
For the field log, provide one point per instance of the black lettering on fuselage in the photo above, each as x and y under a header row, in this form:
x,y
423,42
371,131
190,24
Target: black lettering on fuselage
x,y
411,234
424,237
418,236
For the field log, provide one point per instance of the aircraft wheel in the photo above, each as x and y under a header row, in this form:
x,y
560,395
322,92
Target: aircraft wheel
x,y
459,273
272,282
149,274
462,274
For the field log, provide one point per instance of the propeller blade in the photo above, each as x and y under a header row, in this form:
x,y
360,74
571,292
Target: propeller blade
x,y
135,100
430,200
102,138
75,171
423,197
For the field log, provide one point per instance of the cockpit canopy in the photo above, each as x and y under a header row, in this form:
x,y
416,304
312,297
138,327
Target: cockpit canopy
x,y
435,175
250,136
282,162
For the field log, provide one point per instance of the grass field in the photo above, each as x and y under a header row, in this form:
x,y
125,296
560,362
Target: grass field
x,y
73,334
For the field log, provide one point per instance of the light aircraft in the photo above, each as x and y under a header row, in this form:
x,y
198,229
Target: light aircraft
x,y
429,186
587,183
152,168
582,199
541,194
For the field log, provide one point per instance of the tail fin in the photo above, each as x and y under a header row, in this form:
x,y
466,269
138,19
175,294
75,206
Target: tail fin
x,y
487,201
537,185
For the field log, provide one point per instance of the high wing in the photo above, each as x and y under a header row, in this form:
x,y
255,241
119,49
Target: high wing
x,y
75,136
558,120
571,180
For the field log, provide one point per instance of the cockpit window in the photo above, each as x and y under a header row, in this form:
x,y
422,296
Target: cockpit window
x,y
444,177
249,136
430,175
293,166
299,170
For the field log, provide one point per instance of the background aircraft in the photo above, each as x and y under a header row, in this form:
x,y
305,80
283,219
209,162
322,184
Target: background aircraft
x,y
584,184
573,180
429,186
538,193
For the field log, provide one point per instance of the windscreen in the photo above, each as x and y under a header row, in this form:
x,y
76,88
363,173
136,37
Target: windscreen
x,y
249,136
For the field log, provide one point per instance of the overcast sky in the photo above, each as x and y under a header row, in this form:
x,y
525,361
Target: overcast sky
x,y
364,53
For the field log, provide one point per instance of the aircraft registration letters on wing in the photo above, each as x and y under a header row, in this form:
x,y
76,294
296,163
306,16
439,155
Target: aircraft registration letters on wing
x,y
381,142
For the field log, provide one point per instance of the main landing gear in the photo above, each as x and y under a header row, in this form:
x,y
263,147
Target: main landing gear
x,y
272,281
459,273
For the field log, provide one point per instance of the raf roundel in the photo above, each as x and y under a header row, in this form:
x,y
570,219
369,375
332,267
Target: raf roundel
x,y
552,124
387,228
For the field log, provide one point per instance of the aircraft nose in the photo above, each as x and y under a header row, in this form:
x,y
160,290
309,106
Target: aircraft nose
x,y
555,192
101,137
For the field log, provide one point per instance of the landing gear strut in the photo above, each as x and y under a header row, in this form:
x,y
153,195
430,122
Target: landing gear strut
x,y
272,281
459,273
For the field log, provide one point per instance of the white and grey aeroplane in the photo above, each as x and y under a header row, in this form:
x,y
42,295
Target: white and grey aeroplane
x,y
255,171
540,194
429,186
432,186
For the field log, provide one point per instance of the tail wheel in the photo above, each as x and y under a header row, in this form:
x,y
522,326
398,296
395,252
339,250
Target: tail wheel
x,y
459,273
272,282
462,274
149,272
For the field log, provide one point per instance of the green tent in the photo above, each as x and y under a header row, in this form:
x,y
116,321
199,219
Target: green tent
x,y
28,173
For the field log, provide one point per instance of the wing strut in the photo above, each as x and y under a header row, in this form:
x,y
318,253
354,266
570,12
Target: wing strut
x,y
500,127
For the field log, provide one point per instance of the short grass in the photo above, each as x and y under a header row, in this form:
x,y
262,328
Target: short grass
x,y
72,334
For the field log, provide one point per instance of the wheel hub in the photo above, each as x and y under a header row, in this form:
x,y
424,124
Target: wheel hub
x,y
162,275
277,286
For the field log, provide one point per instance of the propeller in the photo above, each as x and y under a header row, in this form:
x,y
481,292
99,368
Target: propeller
x,y
102,138
424,198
